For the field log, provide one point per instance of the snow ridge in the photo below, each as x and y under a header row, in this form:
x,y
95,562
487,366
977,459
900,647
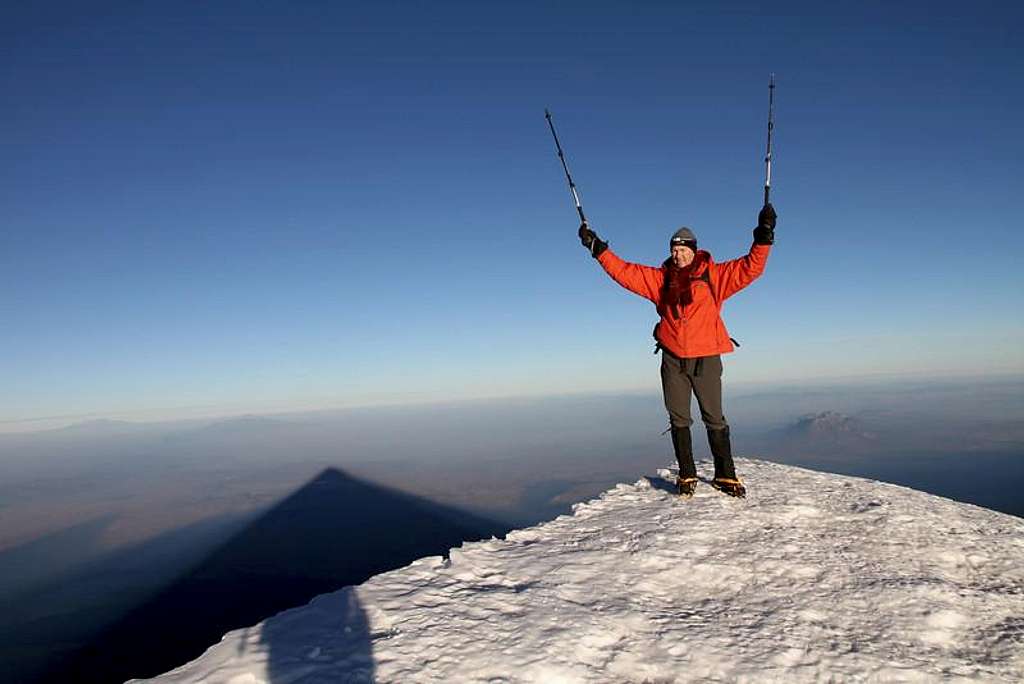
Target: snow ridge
x,y
812,577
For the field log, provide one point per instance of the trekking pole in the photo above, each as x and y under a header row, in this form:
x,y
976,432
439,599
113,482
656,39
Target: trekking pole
x,y
572,186
771,125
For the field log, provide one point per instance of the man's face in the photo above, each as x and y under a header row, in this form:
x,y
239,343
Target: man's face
x,y
682,256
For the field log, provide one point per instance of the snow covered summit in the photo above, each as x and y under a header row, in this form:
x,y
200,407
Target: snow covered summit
x,y
813,577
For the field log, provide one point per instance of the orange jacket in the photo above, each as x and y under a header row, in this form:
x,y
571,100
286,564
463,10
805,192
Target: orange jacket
x,y
697,328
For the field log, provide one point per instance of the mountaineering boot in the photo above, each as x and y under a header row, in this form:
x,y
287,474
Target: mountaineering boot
x,y
725,471
682,443
730,487
686,487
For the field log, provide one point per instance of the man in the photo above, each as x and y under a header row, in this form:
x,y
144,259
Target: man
x,y
688,290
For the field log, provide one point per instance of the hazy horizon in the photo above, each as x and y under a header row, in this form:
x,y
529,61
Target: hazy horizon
x,y
473,436
197,414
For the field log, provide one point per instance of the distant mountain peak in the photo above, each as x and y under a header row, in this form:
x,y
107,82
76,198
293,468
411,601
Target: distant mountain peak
x,y
827,423
98,425
248,419
241,423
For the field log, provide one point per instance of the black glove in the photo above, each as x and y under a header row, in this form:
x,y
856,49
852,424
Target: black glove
x,y
764,234
594,244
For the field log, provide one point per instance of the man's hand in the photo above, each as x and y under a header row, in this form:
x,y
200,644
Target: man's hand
x,y
764,234
589,239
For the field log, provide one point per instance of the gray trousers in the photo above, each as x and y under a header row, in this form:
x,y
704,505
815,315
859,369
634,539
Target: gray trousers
x,y
703,377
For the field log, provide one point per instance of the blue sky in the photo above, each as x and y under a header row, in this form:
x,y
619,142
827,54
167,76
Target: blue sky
x,y
233,207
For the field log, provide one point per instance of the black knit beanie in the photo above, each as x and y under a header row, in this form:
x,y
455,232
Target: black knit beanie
x,y
683,236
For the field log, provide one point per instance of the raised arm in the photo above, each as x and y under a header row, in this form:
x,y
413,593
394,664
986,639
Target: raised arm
x,y
730,277
645,281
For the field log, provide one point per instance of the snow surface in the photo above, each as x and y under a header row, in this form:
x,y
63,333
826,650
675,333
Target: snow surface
x,y
813,577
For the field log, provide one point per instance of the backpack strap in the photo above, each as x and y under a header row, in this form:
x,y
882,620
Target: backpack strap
x,y
706,277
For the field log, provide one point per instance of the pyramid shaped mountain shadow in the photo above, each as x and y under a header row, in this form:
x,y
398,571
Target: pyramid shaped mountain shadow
x,y
334,531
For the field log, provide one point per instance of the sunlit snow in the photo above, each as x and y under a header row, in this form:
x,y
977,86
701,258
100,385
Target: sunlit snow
x,y
812,577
